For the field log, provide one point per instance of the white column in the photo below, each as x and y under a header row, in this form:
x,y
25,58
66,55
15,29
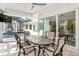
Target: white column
x,y
36,20
28,26
48,26
56,27
77,28
45,25
4,28
36,27
16,26
1,34
32,27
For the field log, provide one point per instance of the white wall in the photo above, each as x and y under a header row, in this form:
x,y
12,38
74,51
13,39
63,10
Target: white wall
x,y
77,28
1,31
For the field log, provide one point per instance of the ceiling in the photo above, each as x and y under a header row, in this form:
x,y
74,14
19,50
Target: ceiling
x,y
47,10
23,8
58,8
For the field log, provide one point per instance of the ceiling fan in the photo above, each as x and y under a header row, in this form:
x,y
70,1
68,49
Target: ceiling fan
x,y
37,4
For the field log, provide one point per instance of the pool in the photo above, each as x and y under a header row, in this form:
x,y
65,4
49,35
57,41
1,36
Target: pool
x,y
9,36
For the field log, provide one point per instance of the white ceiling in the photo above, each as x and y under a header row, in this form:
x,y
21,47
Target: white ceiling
x,y
57,8
43,11
24,8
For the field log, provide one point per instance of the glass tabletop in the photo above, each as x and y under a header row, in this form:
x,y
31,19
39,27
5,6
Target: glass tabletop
x,y
39,40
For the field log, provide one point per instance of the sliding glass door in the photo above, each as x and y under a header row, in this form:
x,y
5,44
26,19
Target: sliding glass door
x,y
66,23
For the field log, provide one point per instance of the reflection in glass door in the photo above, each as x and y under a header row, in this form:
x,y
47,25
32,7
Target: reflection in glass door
x,y
66,25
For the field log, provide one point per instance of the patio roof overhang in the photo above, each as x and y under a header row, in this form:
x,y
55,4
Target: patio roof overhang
x,y
20,19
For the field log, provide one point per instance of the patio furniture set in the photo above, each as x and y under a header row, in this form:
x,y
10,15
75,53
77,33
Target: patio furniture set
x,y
39,44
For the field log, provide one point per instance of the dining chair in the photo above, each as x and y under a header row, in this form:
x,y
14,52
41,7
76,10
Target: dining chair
x,y
25,49
26,33
58,48
18,39
60,44
51,35
44,34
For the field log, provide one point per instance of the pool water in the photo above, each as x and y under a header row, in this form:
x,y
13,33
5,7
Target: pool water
x,y
10,36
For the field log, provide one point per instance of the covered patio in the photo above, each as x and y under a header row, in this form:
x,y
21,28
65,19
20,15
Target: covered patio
x,y
43,21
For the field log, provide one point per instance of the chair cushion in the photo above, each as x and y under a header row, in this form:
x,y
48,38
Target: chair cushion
x,y
61,43
28,49
50,35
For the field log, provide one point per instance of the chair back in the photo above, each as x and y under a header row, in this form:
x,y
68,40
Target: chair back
x,y
59,48
44,34
25,34
50,35
18,39
61,33
21,46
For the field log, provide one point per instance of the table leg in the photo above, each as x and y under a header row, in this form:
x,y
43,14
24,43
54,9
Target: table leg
x,y
39,50
43,51
34,51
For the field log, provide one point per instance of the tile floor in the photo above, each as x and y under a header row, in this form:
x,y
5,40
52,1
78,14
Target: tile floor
x,y
9,49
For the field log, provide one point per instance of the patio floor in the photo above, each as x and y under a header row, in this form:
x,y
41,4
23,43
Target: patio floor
x,y
9,49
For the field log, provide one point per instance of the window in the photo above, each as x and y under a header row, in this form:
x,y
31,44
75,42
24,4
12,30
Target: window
x,y
30,27
33,27
68,26
61,25
27,26
71,26
52,25
41,25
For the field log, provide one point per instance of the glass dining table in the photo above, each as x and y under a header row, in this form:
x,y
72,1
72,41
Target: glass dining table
x,y
41,42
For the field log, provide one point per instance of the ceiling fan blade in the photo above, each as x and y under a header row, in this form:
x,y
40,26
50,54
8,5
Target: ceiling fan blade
x,y
32,7
39,3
